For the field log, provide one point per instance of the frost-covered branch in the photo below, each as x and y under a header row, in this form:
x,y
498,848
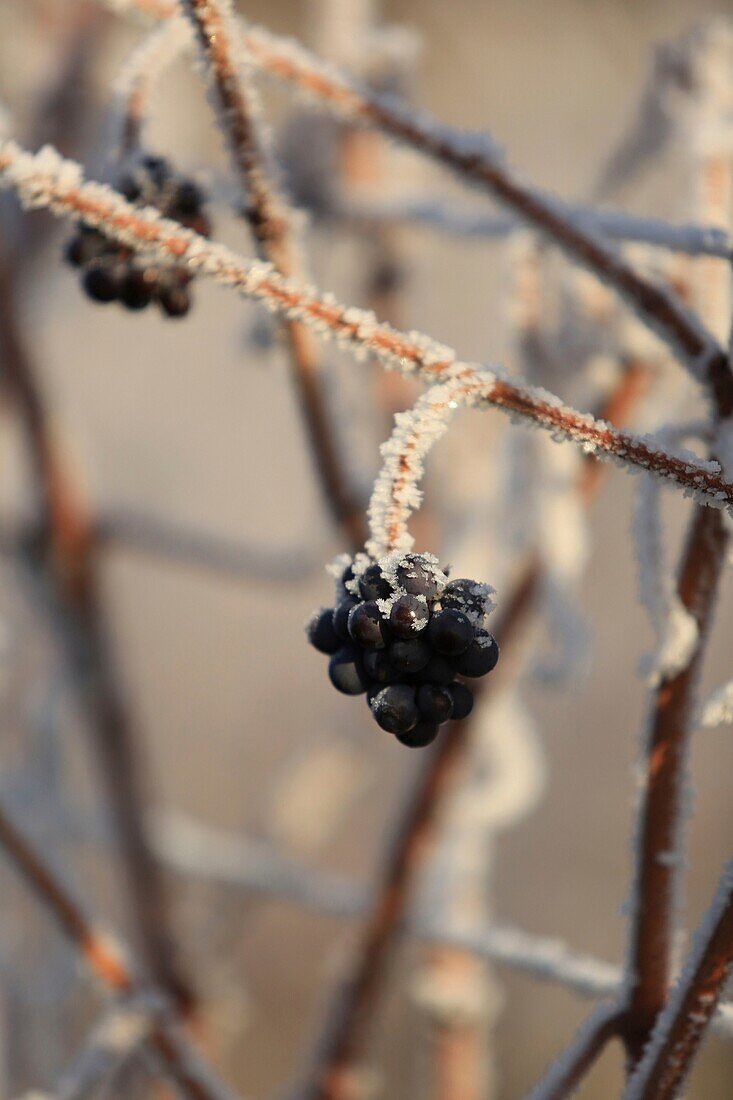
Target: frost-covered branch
x,y
106,960
166,42
396,493
682,1024
237,108
674,628
442,216
47,180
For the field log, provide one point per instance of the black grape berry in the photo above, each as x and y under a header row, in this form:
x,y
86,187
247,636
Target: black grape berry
x,y
400,633
416,577
438,671
421,735
136,290
175,301
378,668
450,632
341,618
470,597
189,198
434,703
102,281
111,272
373,585
480,657
409,655
395,708
462,700
320,631
409,616
346,672
367,626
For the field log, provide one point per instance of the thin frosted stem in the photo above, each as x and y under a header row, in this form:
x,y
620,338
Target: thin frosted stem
x,y
617,225
395,493
47,180
136,81
238,110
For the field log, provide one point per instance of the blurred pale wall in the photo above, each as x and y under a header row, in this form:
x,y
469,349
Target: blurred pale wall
x,y
181,420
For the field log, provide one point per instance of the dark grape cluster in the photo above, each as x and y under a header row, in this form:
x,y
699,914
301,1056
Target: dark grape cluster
x,y
110,272
402,632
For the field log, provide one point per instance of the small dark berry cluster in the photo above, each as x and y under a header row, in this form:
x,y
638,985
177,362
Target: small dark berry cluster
x,y
113,273
402,632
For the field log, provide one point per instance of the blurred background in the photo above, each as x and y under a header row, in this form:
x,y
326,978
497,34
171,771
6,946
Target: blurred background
x,y
183,438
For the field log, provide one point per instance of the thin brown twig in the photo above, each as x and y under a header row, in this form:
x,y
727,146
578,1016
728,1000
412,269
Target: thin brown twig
x,y
682,1024
271,224
107,962
345,1031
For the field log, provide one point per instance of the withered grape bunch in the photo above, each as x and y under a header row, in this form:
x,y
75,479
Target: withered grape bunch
x,y
112,273
405,635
